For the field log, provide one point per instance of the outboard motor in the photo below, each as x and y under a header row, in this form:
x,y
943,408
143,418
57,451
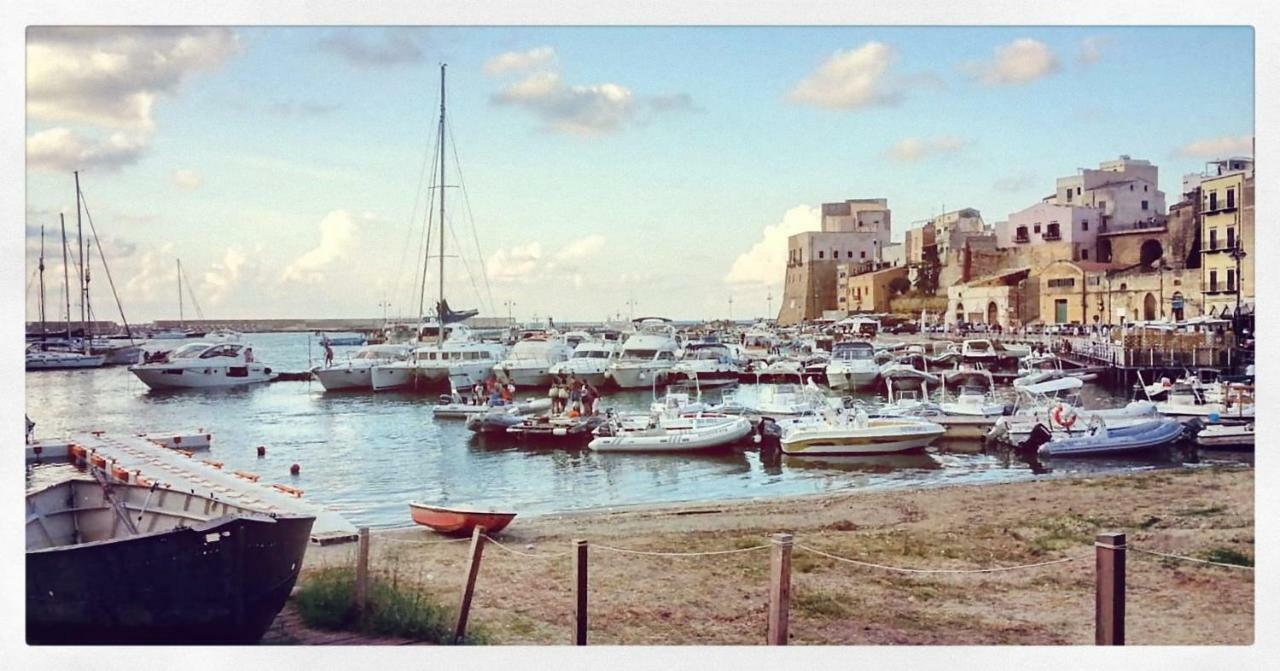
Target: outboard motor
x,y
1040,435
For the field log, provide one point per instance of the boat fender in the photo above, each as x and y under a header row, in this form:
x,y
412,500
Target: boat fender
x,y
1064,415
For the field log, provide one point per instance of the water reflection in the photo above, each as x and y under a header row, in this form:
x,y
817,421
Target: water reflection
x,y
866,463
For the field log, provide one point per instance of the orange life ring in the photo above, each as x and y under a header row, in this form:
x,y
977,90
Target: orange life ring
x,y
1057,417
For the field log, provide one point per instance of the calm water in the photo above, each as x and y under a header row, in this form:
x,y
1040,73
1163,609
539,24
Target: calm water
x,y
367,455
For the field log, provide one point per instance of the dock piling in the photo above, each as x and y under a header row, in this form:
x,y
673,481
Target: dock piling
x,y
580,592
1109,609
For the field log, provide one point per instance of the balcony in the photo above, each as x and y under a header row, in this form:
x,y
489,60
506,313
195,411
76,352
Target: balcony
x,y
1021,237
1050,236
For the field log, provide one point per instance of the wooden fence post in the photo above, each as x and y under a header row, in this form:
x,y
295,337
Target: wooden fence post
x,y
780,589
580,592
1109,610
473,569
362,571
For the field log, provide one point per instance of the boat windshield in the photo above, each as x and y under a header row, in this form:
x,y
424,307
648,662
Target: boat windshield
x,y
591,354
221,350
640,354
853,353
188,351
979,346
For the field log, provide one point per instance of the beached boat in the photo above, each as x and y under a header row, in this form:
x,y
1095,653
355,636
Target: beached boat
x,y
852,432
1103,440
204,365
357,372
852,365
1226,436
140,565
456,521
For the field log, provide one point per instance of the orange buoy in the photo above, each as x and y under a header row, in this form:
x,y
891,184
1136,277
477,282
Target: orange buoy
x,y
295,469
262,450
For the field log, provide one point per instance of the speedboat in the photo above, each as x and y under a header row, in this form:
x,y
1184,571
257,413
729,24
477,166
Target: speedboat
x,y
907,392
357,372
529,362
204,365
589,361
678,433
836,431
38,359
457,409
978,351
1186,399
1102,440
976,396
852,365
774,400
647,356
342,340
708,363
185,569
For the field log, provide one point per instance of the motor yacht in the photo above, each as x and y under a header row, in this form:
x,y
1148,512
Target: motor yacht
x,y
203,365
647,356
710,363
357,371
589,361
852,365
529,362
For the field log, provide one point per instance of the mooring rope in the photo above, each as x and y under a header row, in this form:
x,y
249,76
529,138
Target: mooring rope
x,y
650,553
410,541
1185,558
533,555
902,569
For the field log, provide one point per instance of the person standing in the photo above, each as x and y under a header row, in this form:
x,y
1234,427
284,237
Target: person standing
x,y
589,395
328,353
554,395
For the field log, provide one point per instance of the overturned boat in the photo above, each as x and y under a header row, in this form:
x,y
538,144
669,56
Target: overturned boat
x,y
128,564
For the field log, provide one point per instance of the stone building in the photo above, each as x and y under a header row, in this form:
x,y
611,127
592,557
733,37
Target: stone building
x,y
1227,238
1089,292
1008,299
853,232
863,290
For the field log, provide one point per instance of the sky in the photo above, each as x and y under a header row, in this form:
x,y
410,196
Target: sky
x,y
591,171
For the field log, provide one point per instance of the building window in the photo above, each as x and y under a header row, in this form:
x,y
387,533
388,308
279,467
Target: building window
x,y
1231,198
850,252
1213,280
1021,234
1068,195
1131,187
1231,238
862,254
1213,200
1037,228
1084,256
1102,205
1084,224
1062,282
821,254
1144,187
1213,238
1077,190
1145,204
1231,279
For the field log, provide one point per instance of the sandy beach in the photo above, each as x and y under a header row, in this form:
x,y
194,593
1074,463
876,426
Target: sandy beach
x,y
721,599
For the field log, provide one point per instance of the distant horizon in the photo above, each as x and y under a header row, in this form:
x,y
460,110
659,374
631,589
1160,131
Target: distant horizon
x,y
607,169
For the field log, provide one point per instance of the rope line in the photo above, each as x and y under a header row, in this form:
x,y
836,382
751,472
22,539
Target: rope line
x,y
537,555
679,554
410,541
901,569
1184,558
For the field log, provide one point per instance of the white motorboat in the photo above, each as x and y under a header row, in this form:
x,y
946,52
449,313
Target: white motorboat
x,y
681,433
647,356
852,365
357,372
710,363
456,408
1037,368
975,396
836,431
529,362
456,363
758,342
1210,401
204,365
907,392
775,400
589,361
1226,436
978,351
38,359
1102,440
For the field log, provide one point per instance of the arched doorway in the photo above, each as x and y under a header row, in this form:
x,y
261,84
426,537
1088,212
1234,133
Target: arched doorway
x,y
1151,252
993,313
959,312
1149,307
1104,251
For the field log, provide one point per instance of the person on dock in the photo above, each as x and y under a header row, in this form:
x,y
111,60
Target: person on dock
x,y
508,392
575,395
328,352
589,396
554,394
248,355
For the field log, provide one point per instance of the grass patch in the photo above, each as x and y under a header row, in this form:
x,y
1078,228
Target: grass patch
x,y
326,600
1229,556
1202,511
822,604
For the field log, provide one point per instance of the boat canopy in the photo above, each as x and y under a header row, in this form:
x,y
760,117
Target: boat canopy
x,y
1052,386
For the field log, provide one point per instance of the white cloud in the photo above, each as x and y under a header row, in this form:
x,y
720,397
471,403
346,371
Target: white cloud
x,y
236,269
112,76
1091,49
1217,147
850,79
528,264
916,149
581,248
1021,61
187,179
1016,182
514,61
64,150
153,278
337,237
367,48
765,263
578,110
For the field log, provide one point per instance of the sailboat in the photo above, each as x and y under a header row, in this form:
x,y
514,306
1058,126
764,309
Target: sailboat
x,y
454,359
47,359
181,331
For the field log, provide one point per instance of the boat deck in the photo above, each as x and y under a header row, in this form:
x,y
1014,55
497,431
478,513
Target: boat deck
x,y
138,460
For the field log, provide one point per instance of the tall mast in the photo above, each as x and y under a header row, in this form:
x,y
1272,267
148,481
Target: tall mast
x,y
181,322
84,272
440,302
66,273
42,316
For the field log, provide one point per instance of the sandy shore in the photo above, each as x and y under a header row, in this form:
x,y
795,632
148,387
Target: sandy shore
x,y
721,599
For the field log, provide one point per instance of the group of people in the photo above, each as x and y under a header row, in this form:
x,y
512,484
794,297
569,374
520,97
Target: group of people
x,y
492,391
573,397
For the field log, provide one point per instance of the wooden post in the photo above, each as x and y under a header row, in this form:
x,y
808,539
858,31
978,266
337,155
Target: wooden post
x,y
580,592
1109,611
473,569
362,571
779,589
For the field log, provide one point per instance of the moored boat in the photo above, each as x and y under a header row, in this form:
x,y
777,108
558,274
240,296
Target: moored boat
x,y
680,433
457,521
204,365
839,432
1101,440
852,365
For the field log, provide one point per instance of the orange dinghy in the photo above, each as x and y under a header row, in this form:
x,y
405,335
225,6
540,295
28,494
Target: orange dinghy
x,y
459,522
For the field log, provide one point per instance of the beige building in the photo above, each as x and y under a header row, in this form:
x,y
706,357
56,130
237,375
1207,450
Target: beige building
x,y
1088,292
863,290
853,232
1007,299
1226,240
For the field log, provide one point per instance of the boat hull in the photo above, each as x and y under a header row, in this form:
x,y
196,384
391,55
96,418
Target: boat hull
x,y
1145,436
174,587
880,437
536,375
638,377
458,522
165,376
344,377
842,377
720,434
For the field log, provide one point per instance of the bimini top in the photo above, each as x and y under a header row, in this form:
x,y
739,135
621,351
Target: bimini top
x,y
1052,386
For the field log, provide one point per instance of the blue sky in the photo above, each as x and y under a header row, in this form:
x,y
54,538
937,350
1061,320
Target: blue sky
x,y
601,164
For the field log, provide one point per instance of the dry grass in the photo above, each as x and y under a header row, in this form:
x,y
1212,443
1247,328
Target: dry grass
x,y
722,599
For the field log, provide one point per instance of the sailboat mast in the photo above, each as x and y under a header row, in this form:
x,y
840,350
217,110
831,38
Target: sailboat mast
x,y
440,302
42,315
182,323
66,273
84,271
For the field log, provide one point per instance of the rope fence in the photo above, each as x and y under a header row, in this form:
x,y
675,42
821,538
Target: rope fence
x,y
1110,550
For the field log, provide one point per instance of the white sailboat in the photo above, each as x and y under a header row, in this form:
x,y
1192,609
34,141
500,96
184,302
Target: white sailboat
x,y
42,359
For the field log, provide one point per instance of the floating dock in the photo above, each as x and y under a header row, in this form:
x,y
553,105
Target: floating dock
x,y
139,460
